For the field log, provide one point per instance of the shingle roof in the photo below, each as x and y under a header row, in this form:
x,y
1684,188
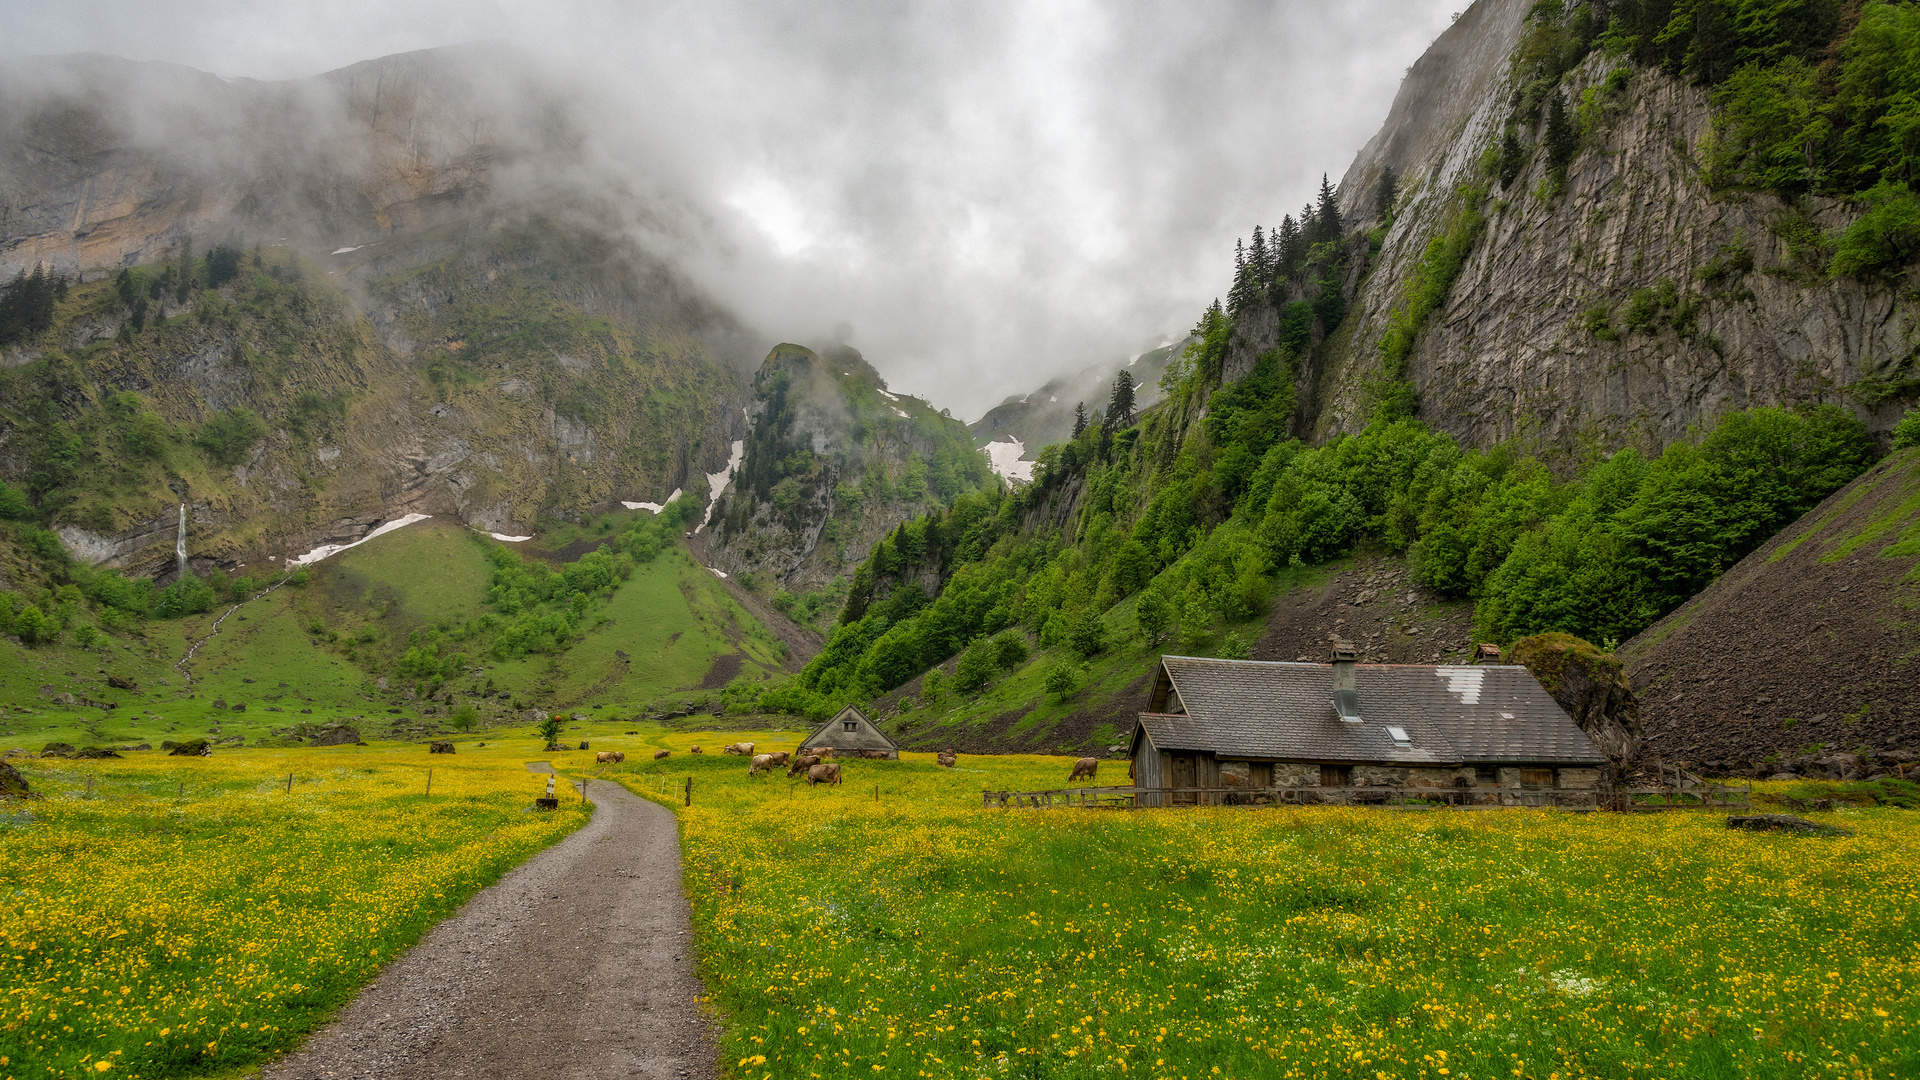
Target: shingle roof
x,y
1284,711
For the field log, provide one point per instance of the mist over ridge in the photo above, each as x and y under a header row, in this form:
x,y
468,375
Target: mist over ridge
x,y
978,201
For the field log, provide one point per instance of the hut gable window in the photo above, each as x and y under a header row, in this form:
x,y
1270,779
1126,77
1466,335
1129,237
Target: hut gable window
x,y
851,725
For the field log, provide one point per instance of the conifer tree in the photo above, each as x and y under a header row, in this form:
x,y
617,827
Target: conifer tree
x,y
1326,215
1079,418
1384,196
1259,264
1237,296
1120,405
1562,141
1513,158
1287,248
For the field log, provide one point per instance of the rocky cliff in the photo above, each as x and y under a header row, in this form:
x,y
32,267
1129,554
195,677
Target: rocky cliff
x,y
834,463
1619,304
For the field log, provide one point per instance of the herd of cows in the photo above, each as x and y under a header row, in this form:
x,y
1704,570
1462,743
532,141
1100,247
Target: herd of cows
x,y
816,763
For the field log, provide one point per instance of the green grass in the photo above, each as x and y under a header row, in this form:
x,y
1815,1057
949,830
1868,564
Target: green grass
x,y
891,926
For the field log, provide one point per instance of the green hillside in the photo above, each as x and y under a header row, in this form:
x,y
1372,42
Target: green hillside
x,y
392,636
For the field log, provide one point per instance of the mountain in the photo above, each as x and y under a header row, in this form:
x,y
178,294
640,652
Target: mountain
x,y
1045,416
1578,331
395,288
834,462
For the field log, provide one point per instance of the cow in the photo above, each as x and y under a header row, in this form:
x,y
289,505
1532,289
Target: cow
x,y
946,759
604,757
1085,767
824,753
693,749
779,757
742,749
823,774
658,754
760,763
803,763
875,755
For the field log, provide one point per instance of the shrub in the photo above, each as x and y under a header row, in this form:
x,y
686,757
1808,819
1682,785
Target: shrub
x,y
229,436
465,717
1088,635
976,668
1154,615
1907,432
1236,647
1009,650
86,637
187,596
1885,238
550,729
933,688
1062,679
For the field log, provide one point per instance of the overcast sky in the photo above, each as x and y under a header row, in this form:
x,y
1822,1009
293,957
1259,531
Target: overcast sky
x,y
979,195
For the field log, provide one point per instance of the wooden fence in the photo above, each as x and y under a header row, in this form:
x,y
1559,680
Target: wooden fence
x,y
1632,800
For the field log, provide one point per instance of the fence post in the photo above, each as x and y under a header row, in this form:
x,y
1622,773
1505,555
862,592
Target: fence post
x,y
290,781
429,782
689,791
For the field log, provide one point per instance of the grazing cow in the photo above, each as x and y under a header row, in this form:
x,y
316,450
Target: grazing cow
x,y
946,759
779,757
874,755
823,774
604,757
1085,767
803,763
760,763
743,749
619,756
658,754
693,750
824,753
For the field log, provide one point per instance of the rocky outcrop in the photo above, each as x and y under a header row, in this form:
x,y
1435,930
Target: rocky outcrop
x,y
1592,686
1533,340
835,461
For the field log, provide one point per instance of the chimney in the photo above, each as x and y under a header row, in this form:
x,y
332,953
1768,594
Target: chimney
x,y
1346,694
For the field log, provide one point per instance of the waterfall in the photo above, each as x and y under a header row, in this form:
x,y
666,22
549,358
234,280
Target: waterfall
x,y
180,545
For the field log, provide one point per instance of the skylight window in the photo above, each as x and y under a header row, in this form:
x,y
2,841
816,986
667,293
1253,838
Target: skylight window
x,y
1399,736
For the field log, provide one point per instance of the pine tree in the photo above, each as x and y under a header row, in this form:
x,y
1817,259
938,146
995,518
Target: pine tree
x,y
1237,296
1287,249
1562,141
1513,158
1384,196
1260,264
1079,418
1715,43
1326,215
1120,405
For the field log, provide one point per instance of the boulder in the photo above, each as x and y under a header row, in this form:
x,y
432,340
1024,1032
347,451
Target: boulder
x,y
1783,823
1783,776
440,747
119,683
1592,686
63,699
1843,766
338,735
57,749
191,748
95,752
12,784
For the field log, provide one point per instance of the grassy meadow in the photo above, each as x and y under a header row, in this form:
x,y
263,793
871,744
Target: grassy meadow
x,y
915,934
169,916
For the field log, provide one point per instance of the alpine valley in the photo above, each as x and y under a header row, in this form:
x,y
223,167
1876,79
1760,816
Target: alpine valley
x,y
368,402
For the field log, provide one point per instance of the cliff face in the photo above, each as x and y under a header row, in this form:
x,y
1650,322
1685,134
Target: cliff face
x,y
437,314
1539,335
834,463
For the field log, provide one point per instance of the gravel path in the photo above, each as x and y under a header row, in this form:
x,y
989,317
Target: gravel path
x,y
578,964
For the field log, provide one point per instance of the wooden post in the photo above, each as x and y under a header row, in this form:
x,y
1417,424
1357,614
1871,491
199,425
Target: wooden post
x,y
689,791
89,787
429,782
876,792
289,783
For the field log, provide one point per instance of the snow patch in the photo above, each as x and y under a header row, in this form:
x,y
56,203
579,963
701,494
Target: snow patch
x,y
717,573
343,251
505,539
901,414
886,395
325,551
655,507
717,482
1004,459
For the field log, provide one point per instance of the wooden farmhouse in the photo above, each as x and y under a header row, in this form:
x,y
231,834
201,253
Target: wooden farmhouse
x,y
1486,733
851,733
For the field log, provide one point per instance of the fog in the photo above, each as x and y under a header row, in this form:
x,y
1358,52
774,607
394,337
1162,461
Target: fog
x,y
977,196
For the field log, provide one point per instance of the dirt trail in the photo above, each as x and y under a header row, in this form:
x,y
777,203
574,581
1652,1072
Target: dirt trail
x,y
578,964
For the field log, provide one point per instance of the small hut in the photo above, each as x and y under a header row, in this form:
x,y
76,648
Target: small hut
x,y
851,733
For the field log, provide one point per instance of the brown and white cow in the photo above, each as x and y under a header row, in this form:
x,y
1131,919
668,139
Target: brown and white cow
x,y
946,759
823,774
760,763
658,754
1085,767
693,749
742,749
